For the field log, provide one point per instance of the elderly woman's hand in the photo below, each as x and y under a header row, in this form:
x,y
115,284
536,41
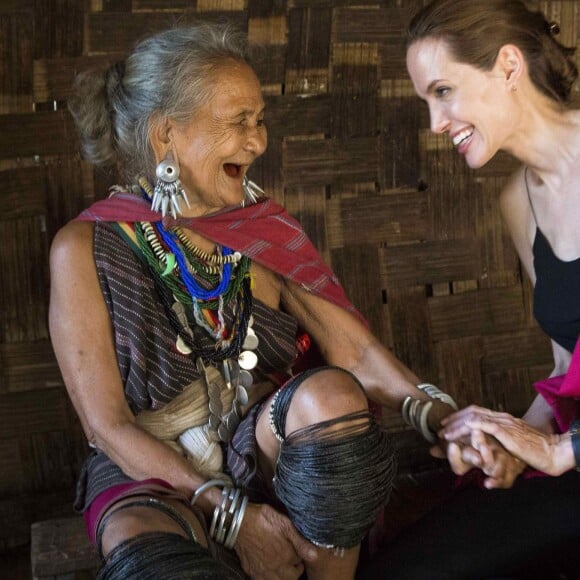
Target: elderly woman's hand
x,y
270,547
518,437
469,446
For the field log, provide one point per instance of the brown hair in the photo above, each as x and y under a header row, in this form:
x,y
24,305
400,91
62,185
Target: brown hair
x,y
475,30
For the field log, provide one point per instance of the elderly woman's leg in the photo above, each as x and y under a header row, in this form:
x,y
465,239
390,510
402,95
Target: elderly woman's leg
x,y
334,468
143,537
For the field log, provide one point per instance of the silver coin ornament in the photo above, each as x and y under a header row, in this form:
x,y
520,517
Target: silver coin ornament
x,y
247,360
246,379
223,433
167,171
242,395
251,341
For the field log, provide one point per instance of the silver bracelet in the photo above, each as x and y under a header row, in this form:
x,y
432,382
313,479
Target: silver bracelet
x,y
205,486
236,524
436,393
415,412
227,515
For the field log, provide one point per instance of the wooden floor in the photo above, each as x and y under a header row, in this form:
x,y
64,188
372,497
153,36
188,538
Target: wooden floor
x,y
15,564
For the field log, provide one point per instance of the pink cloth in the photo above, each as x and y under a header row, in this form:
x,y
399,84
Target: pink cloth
x,y
562,392
93,514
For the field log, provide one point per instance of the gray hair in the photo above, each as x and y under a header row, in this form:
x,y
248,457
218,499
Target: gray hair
x,y
166,76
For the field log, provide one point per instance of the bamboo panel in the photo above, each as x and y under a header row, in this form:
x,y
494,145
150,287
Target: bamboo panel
x,y
15,6
11,467
356,268
29,413
58,27
46,462
23,313
262,8
453,206
399,147
15,43
520,348
37,134
23,192
267,31
392,60
326,3
308,38
393,219
365,24
500,266
116,5
22,510
160,5
53,78
482,312
269,66
509,390
308,206
354,94
329,161
292,115
28,366
409,316
62,178
120,31
428,263
459,369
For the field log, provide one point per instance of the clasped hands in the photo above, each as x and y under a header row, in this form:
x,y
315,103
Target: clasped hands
x,y
497,443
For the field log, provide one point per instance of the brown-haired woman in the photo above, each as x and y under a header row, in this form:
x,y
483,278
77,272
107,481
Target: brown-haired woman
x,y
495,77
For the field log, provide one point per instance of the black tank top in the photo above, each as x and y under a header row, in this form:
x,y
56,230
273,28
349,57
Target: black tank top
x,y
557,290
557,294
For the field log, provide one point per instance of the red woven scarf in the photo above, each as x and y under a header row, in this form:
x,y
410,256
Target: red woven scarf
x,y
263,231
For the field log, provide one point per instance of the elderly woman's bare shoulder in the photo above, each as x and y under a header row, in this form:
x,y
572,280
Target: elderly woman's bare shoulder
x,y
72,241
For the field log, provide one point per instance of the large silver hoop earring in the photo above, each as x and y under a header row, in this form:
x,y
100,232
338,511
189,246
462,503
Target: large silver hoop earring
x,y
168,189
251,192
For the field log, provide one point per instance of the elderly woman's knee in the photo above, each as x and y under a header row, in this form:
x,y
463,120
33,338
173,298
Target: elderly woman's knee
x,y
132,517
324,395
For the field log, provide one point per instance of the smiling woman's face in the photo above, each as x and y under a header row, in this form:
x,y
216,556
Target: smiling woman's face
x,y
466,102
216,148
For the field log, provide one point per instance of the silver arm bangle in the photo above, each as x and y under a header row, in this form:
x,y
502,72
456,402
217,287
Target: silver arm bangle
x,y
415,412
236,524
205,486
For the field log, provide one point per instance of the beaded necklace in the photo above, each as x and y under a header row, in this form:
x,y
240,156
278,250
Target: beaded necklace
x,y
224,278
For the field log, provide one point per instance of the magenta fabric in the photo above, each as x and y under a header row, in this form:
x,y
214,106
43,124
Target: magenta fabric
x,y
93,514
563,392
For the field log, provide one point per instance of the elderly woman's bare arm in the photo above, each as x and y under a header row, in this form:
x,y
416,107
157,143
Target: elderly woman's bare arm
x,y
82,337
346,342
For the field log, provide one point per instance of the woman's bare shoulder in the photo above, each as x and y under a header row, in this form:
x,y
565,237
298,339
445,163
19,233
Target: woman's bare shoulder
x,y
72,240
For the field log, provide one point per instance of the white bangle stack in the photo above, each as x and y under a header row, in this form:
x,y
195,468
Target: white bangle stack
x,y
415,412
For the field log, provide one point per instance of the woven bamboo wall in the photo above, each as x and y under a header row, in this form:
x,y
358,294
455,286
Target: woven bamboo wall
x,y
413,234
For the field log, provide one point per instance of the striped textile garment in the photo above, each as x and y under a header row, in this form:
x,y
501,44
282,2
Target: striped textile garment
x,y
152,369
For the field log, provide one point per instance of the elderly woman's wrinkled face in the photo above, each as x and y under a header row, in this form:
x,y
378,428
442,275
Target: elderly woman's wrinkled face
x,y
472,105
227,134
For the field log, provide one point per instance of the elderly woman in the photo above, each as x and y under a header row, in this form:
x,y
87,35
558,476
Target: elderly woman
x,y
175,306
496,78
